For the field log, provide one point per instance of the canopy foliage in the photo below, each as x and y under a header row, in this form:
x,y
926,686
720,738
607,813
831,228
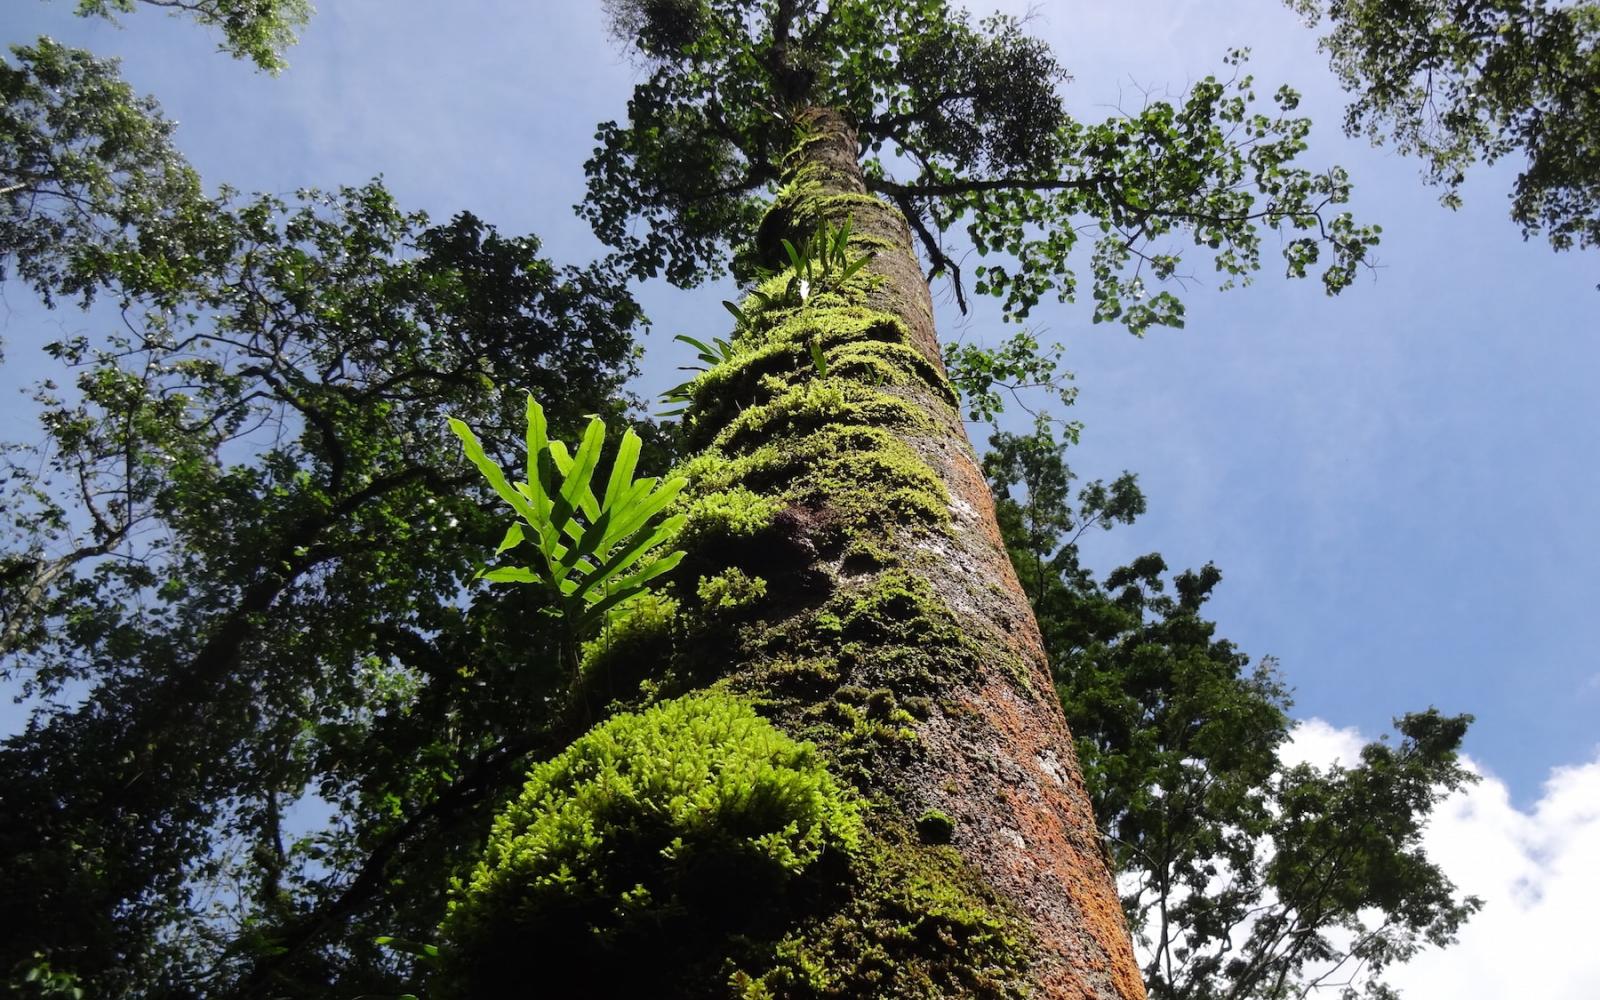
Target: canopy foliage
x,y
255,30
1458,81
237,580
85,164
964,127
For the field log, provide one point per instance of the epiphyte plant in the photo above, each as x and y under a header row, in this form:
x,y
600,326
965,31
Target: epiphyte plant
x,y
591,551
710,355
819,262
823,258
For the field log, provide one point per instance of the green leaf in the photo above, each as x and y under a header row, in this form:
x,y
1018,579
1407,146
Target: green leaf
x,y
817,357
625,557
511,574
491,471
708,354
633,516
576,490
854,267
512,539
622,467
538,443
629,587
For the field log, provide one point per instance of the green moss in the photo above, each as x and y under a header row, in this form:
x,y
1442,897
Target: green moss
x,y
813,674
935,827
783,351
805,202
731,590
902,636
882,363
863,555
916,926
899,610
817,403
657,838
898,606
830,324
636,636
725,515
854,733
804,205
871,243
861,476
878,654
858,717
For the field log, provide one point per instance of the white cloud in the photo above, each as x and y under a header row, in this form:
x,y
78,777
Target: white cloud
x,y
1317,742
1536,869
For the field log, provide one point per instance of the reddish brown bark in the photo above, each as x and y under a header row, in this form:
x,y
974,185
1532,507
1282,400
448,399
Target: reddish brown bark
x,y
997,756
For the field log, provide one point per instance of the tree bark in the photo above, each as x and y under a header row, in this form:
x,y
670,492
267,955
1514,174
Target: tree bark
x,y
893,631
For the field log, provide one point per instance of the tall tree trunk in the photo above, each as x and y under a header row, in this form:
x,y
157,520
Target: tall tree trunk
x,y
893,630
844,577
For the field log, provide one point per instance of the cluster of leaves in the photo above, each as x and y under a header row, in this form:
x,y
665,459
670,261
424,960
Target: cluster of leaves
x,y
591,551
648,833
1456,81
237,579
981,145
709,355
85,165
38,981
820,262
1212,167
255,30
1016,366
1245,877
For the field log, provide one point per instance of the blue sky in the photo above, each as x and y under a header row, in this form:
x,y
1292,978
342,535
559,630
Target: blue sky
x,y
1400,484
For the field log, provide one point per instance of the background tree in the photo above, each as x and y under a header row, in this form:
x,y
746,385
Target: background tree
x,y
86,166
1458,81
238,583
1244,876
963,130
255,30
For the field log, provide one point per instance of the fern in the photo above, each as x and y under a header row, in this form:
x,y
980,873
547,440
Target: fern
x,y
591,551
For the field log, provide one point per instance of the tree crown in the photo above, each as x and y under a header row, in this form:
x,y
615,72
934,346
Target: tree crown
x,y
962,126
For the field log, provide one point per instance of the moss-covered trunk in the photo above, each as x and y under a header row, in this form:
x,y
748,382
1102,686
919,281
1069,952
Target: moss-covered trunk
x,y
845,586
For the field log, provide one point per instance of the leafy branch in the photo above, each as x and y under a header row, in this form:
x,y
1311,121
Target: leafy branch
x,y
1016,366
